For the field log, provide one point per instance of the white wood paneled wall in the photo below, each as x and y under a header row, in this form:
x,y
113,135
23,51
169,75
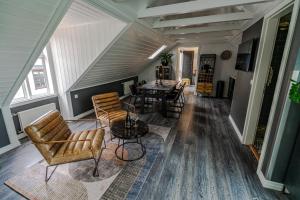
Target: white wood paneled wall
x,y
75,48
22,25
125,58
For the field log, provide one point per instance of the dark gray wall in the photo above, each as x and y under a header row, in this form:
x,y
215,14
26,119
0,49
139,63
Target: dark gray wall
x,y
84,102
242,84
4,140
17,109
293,119
292,180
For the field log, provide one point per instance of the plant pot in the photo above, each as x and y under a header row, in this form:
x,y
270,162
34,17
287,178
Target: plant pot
x,y
164,63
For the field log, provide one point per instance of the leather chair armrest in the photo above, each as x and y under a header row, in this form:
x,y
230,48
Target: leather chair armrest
x,y
98,108
87,120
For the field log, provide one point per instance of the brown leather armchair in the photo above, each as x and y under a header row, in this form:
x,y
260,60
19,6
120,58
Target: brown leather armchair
x,y
108,108
58,145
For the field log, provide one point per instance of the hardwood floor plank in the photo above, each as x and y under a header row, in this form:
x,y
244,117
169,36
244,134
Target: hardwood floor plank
x,y
202,158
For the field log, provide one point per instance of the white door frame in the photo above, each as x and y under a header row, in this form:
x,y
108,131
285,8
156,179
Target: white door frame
x,y
263,61
195,61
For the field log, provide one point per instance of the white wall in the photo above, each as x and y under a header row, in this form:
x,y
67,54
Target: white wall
x,y
224,68
75,48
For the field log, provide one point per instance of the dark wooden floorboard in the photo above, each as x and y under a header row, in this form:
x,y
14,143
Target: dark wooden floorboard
x,y
206,159
202,158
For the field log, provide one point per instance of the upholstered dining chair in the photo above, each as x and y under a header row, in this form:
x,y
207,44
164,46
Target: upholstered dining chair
x,y
108,108
58,145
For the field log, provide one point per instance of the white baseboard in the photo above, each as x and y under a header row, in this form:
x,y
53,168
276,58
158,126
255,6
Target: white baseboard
x,y
8,148
237,131
21,135
269,184
82,115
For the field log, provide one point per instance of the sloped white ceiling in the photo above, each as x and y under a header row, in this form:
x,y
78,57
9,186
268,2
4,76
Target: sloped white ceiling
x,y
23,27
126,57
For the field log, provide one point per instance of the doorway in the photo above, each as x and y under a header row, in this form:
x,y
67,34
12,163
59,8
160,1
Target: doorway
x,y
187,66
271,82
186,69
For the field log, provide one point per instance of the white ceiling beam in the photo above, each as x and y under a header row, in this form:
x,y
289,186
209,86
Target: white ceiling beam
x,y
204,37
203,40
192,6
203,29
203,20
212,34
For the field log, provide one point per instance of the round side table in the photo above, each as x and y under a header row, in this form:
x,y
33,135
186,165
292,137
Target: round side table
x,y
132,135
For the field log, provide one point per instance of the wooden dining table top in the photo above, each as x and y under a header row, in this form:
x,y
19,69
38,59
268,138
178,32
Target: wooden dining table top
x,y
167,85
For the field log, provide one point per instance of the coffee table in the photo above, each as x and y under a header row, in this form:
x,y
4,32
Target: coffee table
x,y
132,135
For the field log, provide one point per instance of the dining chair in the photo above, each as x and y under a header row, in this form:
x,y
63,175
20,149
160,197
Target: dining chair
x,y
174,104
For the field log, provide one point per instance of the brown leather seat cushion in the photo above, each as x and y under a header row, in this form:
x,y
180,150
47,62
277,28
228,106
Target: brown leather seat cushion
x,y
110,103
79,150
52,127
115,115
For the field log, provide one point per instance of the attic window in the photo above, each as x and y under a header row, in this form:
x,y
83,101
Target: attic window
x,y
38,82
157,51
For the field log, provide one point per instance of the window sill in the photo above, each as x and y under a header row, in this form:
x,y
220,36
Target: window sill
x,y
41,98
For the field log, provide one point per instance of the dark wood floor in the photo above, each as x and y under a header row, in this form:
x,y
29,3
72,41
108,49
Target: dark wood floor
x,y
202,159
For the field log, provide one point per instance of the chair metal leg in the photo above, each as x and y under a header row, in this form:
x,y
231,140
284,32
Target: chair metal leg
x,y
97,160
46,175
104,142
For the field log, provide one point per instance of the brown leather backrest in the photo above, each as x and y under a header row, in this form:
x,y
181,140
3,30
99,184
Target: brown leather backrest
x,y
49,127
107,101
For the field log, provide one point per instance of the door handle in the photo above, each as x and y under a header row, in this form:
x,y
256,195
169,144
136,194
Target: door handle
x,y
270,76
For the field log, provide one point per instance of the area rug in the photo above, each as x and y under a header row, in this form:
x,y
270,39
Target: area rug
x,y
117,179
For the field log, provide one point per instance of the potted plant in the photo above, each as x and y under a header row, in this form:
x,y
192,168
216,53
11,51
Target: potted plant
x,y
165,58
295,92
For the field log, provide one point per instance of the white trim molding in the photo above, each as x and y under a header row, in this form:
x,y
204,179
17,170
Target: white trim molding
x,y
269,184
82,115
265,51
8,148
236,129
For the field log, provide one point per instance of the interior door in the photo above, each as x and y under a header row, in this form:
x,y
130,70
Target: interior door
x,y
270,86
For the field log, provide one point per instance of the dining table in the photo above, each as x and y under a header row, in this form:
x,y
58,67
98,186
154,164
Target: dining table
x,y
162,88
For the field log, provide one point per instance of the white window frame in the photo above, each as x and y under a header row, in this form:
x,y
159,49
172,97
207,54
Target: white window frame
x,y
51,90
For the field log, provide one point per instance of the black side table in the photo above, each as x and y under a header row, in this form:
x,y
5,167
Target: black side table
x,y
132,135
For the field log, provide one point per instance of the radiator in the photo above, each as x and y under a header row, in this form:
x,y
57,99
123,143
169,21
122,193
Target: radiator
x,y
126,88
28,116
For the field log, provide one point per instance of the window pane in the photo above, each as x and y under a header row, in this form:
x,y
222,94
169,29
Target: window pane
x,y
37,79
20,94
38,82
39,62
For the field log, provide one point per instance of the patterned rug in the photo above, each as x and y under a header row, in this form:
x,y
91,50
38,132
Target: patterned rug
x,y
117,179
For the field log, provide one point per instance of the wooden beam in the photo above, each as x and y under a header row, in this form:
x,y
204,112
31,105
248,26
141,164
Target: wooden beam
x,y
204,20
203,40
203,29
210,34
192,6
